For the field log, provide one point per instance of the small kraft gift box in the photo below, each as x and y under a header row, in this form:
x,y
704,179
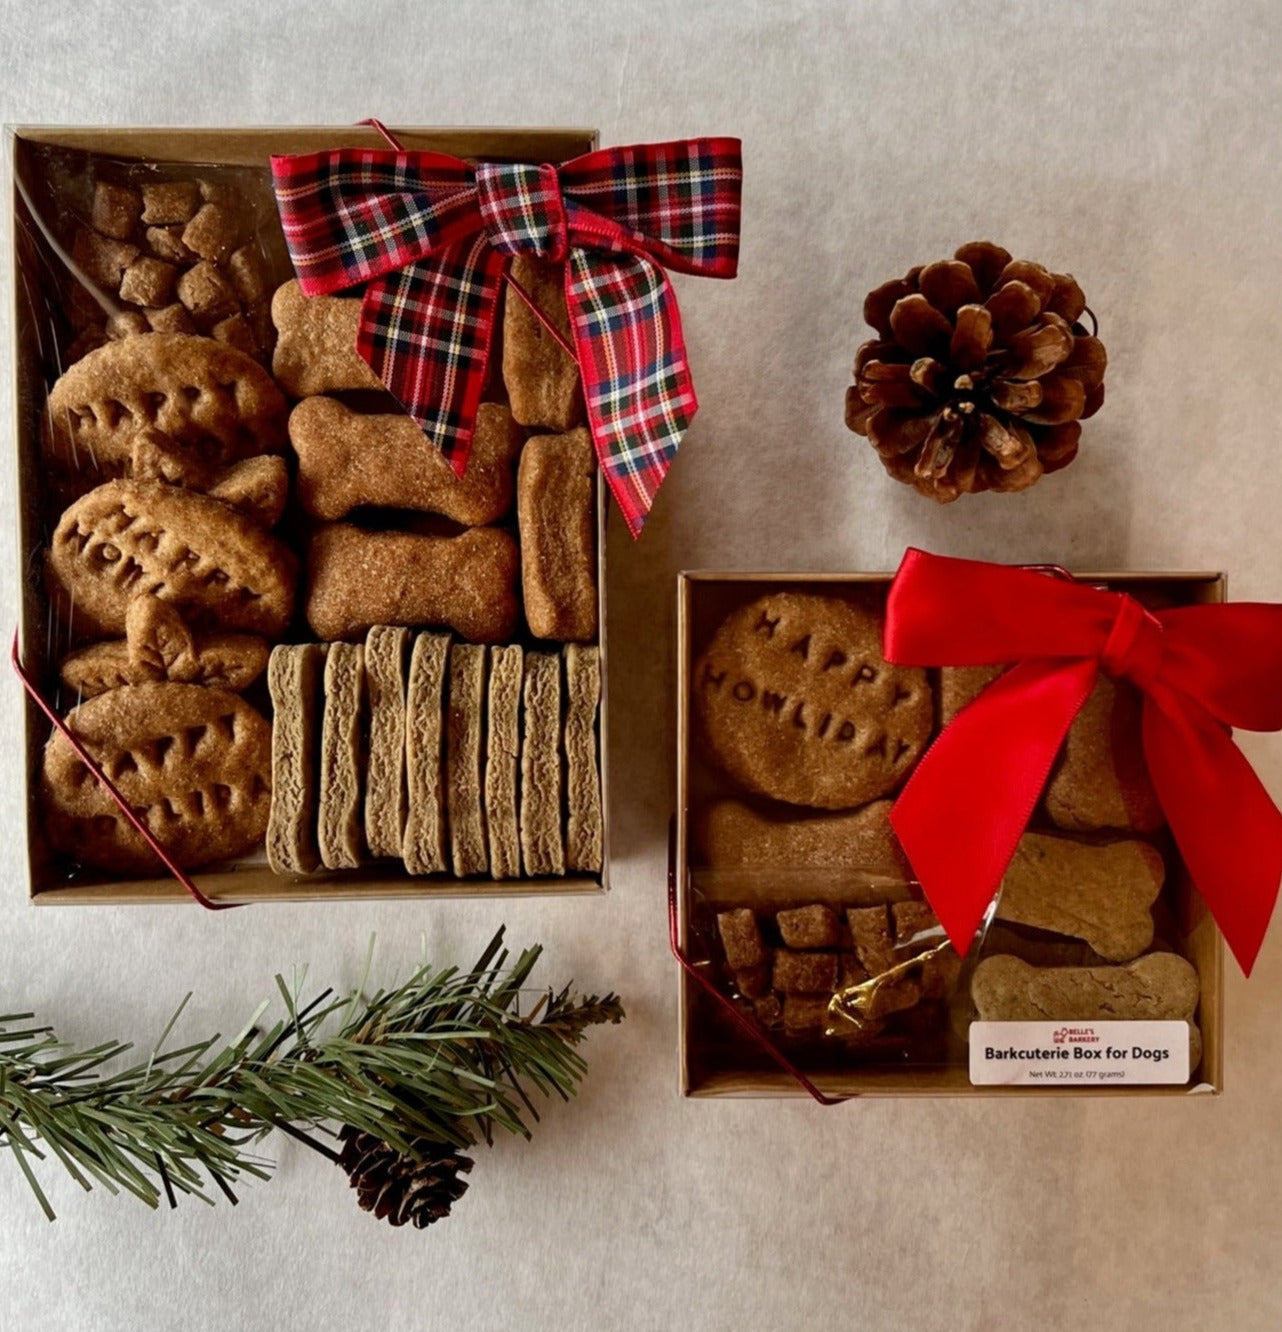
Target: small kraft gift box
x,y
317,435
966,829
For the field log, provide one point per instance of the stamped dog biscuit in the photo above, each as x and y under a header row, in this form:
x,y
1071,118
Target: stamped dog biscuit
x,y
194,763
1155,986
584,825
554,506
464,789
357,579
347,459
316,343
1101,894
503,760
128,539
211,399
541,378
294,677
542,840
1102,779
793,700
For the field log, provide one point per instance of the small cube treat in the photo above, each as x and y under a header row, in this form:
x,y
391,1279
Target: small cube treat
x,y
116,209
768,1009
754,982
850,972
805,1014
171,319
809,927
248,275
102,259
207,294
148,282
212,233
870,930
171,201
741,939
126,324
893,997
236,332
167,243
916,924
805,973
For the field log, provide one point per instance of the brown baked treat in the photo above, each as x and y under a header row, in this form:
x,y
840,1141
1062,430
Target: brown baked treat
x,y
127,539
555,491
754,982
1101,894
741,939
892,996
159,646
212,233
236,331
294,677
316,343
248,273
503,760
171,319
737,836
915,925
257,487
207,293
148,282
804,973
1156,986
870,931
768,1009
207,397
424,840
585,820
338,824
542,843
805,1015
809,927
102,259
347,459
960,685
170,201
1102,779
167,243
357,579
386,659
464,790
542,380
193,763
793,700
116,209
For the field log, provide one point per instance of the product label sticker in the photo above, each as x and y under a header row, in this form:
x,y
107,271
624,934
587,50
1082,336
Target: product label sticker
x,y
1078,1054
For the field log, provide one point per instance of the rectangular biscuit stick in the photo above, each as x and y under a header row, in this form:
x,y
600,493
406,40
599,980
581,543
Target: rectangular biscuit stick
x,y
294,681
423,845
584,827
386,648
339,825
502,760
463,779
542,842
541,378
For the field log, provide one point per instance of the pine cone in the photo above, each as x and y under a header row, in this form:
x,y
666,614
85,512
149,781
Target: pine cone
x,y
979,375
399,1188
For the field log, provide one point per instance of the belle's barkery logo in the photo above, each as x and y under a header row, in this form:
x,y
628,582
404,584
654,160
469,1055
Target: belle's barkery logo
x,y
1075,1036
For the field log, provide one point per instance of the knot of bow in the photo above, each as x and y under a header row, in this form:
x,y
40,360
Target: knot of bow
x,y
431,236
1201,669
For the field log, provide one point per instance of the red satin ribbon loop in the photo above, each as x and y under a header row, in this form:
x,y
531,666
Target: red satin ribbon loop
x,y
1200,669
1133,649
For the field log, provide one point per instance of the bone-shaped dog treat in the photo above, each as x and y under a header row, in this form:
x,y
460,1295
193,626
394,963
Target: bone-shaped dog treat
x,y
1156,986
132,538
346,459
357,579
737,836
1102,894
193,763
316,343
207,396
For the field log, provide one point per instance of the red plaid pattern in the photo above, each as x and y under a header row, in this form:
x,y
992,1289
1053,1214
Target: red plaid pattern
x,y
431,235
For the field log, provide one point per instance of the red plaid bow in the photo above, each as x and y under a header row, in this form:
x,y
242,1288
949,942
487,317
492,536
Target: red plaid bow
x,y
432,235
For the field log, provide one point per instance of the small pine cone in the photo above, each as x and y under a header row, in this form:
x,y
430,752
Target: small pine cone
x,y
979,375
398,1188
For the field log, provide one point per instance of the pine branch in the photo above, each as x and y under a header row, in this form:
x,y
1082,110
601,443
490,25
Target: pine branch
x,y
445,1058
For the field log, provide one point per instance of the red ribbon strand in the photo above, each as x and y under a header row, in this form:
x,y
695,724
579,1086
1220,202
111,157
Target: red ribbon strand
x,y
1200,669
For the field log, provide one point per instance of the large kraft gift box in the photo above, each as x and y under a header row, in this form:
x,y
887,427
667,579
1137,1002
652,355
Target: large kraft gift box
x,y
51,165
726,871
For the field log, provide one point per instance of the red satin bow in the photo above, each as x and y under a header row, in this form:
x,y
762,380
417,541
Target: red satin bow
x,y
1201,669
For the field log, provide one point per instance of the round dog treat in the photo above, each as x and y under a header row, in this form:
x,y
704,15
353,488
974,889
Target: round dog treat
x,y
793,700
193,762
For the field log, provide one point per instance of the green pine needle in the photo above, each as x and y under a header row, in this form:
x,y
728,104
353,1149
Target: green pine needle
x,y
446,1057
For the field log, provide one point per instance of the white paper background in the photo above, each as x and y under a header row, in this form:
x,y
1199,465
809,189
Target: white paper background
x,y
1135,144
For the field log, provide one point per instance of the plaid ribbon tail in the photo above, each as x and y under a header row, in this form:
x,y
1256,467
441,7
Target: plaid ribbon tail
x,y
636,380
426,330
